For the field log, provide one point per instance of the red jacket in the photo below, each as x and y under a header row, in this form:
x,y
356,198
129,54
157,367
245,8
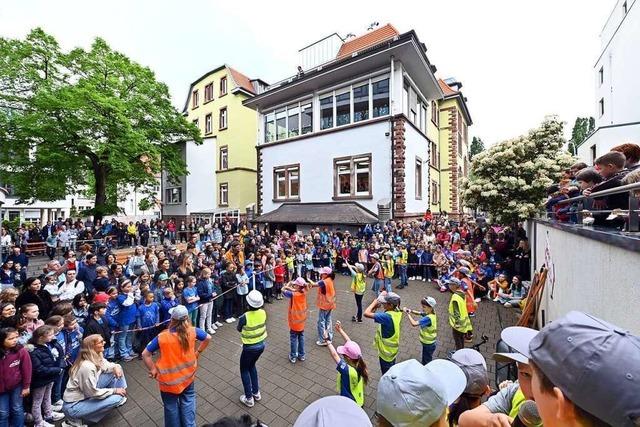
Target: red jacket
x,y
279,271
15,369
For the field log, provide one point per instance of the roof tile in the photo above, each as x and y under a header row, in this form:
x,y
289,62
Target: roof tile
x,y
241,80
446,89
367,40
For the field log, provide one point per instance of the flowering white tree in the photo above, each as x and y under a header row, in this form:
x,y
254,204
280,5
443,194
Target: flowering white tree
x,y
509,179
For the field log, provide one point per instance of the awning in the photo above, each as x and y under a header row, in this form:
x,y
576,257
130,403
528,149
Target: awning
x,y
319,213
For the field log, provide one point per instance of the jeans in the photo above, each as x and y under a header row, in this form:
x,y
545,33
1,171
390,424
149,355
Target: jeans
x,y
248,371
402,272
124,340
60,385
205,315
11,410
385,366
427,352
324,323
171,235
93,410
193,315
359,305
297,344
387,284
41,406
377,285
180,409
228,308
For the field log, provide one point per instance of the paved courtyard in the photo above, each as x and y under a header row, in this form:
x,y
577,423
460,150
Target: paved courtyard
x,y
287,389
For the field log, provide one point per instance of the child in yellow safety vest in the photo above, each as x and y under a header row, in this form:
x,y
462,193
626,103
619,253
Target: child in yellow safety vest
x,y
458,316
428,327
387,338
352,370
358,286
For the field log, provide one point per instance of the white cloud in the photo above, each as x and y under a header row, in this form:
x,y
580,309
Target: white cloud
x,y
518,60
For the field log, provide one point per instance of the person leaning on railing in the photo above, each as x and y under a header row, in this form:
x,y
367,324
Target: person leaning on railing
x,y
611,167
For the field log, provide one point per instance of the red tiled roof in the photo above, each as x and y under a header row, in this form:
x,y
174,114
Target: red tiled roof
x,y
241,80
446,89
369,39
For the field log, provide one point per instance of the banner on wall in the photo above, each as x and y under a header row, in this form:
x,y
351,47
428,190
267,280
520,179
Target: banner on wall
x,y
551,268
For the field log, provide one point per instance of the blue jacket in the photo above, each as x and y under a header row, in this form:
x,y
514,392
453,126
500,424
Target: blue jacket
x,y
70,341
165,306
113,313
148,315
47,362
205,290
87,275
128,313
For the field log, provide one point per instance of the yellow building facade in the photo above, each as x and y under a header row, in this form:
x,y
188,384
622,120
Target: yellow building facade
x,y
214,104
453,141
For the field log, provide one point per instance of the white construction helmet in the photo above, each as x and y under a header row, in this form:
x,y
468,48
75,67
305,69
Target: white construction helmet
x,y
254,299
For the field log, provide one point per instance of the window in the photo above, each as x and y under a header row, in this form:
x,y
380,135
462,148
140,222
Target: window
x,y
434,113
270,127
434,155
196,122
435,196
208,123
326,112
286,182
343,109
413,106
194,99
423,118
361,103
418,178
173,196
405,99
293,120
281,123
306,118
223,194
208,92
380,91
352,177
224,158
601,107
625,8
593,153
223,118
601,76
223,86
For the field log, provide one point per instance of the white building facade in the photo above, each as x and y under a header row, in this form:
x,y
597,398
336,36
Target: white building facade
x,y
351,132
617,87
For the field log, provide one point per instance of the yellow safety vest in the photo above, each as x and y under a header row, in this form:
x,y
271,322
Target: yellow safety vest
x,y
388,347
358,285
463,324
356,385
428,334
516,402
388,268
255,330
404,256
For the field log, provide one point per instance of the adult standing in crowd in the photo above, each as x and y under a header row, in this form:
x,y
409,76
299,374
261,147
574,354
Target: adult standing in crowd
x,y
95,385
175,368
252,326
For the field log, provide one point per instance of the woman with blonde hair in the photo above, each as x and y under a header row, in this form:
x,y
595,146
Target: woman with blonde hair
x,y
95,385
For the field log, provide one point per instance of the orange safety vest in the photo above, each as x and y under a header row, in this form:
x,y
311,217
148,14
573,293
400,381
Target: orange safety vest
x,y
379,273
326,301
469,296
297,311
176,368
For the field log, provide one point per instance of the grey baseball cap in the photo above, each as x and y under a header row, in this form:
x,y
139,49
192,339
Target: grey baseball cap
x,y
518,338
474,367
389,298
410,394
179,312
594,363
332,411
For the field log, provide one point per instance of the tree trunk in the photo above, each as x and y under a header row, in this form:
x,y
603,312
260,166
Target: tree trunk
x,y
100,176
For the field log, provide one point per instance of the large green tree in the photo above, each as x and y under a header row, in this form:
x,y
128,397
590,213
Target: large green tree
x,y
509,179
84,121
477,147
582,128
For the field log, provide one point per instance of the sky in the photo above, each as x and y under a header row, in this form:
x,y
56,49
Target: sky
x,y
518,60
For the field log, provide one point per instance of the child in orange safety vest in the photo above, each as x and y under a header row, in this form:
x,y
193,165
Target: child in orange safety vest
x,y
296,291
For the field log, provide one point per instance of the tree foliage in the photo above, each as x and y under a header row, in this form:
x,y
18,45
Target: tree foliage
x,y
84,121
509,179
477,147
582,128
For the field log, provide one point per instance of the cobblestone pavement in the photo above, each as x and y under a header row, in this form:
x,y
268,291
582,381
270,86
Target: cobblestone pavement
x,y
287,389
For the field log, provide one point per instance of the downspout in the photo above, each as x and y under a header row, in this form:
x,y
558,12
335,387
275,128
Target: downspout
x,y
391,106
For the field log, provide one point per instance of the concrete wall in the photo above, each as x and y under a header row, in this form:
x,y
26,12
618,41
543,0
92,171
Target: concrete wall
x,y
315,156
590,276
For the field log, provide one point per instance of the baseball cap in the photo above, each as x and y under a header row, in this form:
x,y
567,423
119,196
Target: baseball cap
x,y
474,367
325,270
332,411
359,266
410,394
300,282
454,281
595,363
179,312
163,276
376,256
389,298
351,349
464,270
518,338
430,301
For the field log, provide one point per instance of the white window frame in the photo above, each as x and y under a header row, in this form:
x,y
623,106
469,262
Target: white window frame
x,y
223,194
224,158
208,123
418,178
223,84
353,171
224,118
286,171
169,191
195,99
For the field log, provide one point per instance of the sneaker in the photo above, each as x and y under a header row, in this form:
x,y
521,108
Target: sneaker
x,y
57,407
507,304
233,319
257,397
359,320
472,315
211,331
132,355
424,280
72,422
229,320
122,402
46,424
214,326
292,359
496,299
477,300
218,324
353,318
443,289
128,358
247,402
321,343
301,358
57,416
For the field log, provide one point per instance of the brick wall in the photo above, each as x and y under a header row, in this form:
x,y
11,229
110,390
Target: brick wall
x,y
453,160
399,161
